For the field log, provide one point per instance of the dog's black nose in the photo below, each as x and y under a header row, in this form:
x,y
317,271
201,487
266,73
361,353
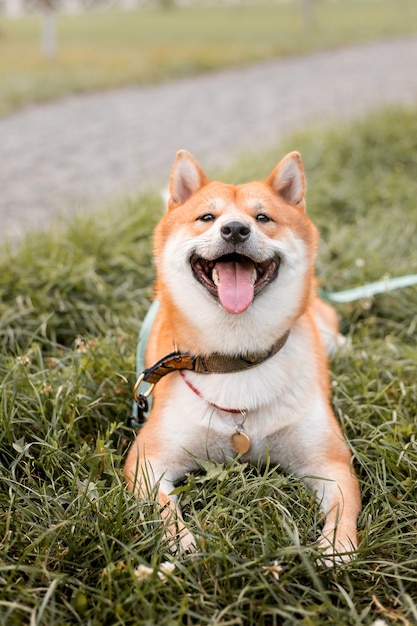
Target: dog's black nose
x,y
235,232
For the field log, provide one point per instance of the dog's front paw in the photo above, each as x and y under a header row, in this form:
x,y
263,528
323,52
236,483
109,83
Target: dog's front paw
x,y
179,538
335,550
187,541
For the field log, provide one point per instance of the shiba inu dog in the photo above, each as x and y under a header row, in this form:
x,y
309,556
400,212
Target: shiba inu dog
x,y
238,346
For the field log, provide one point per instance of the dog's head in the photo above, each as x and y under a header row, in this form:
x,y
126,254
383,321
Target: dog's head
x,y
237,248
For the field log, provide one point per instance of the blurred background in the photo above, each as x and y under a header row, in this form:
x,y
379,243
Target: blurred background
x,y
148,77
50,48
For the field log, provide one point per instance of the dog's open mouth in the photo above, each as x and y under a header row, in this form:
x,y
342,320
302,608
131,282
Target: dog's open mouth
x,y
234,279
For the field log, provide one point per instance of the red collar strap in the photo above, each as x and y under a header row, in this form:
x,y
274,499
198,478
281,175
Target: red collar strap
x,y
198,393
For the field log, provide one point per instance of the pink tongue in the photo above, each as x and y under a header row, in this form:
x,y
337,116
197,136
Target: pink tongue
x,y
235,286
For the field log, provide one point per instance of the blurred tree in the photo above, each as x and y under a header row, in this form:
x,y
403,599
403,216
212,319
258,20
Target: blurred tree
x,y
166,4
308,13
48,29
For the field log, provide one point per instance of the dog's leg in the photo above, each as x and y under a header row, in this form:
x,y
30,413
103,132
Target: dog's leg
x,y
327,324
146,477
178,536
338,493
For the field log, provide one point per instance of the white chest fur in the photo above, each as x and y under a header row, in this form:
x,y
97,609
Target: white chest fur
x,y
281,392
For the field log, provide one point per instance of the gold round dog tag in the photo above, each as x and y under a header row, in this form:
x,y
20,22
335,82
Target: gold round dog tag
x,y
240,443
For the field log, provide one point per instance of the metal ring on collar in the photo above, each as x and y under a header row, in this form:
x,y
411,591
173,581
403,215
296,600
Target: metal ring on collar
x,y
147,393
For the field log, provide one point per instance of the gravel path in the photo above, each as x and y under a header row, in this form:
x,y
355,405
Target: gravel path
x,y
88,149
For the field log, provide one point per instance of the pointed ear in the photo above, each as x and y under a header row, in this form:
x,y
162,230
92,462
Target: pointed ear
x,y
187,178
288,179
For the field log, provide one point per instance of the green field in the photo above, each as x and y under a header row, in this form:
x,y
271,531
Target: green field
x,y
76,548
104,50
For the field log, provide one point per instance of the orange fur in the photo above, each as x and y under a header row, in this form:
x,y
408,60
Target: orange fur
x,y
260,231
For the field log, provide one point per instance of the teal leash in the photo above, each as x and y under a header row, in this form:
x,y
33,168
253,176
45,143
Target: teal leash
x,y
144,333
340,297
369,290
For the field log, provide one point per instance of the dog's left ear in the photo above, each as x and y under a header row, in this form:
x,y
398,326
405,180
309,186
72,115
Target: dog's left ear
x,y
288,179
187,178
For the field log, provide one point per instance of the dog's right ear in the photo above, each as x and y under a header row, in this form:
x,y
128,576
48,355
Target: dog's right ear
x,y
187,178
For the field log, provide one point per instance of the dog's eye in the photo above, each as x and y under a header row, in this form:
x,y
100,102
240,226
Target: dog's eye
x,y
264,219
206,217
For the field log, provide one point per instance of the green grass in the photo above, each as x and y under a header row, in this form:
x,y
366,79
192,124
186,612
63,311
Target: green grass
x,y
72,539
100,51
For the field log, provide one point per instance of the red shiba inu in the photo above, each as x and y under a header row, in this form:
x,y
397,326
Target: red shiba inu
x,y
243,338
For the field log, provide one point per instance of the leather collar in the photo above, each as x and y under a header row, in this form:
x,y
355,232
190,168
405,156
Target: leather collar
x,y
212,364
